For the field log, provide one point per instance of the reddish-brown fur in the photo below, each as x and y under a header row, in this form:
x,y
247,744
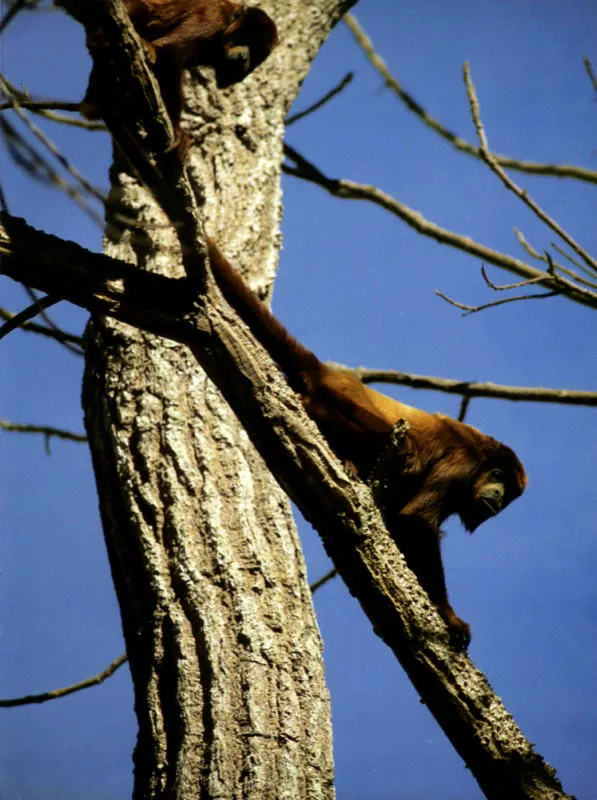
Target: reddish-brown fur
x,y
223,34
449,467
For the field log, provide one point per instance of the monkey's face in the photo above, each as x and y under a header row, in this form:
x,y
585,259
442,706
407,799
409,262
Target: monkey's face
x,y
494,487
248,41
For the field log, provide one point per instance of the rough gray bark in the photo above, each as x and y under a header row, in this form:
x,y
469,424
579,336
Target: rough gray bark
x,y
223,645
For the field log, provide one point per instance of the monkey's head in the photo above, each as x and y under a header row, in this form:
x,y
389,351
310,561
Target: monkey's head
x,y
499,480
248,41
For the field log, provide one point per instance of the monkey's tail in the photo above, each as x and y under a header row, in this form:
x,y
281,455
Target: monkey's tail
x,y
296,361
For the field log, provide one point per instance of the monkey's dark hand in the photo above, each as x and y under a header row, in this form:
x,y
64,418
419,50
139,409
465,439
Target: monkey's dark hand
x,y
460,631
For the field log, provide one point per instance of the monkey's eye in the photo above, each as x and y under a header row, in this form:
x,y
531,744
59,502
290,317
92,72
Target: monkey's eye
x,y
496,475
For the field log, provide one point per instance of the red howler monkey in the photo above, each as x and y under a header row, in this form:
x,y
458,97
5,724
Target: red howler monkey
x,y
450,467
225,34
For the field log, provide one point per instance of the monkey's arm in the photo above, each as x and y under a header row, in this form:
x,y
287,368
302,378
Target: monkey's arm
x,y
419,542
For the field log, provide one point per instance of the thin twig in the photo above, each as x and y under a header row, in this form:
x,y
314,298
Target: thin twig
x,y
76,349
590,73
580,278
44,430
31,327
73,348
468,310
529,394
48,108
14,9
40,169
350,190
576,263
529,167
464,406
507,286
25,101
526,246
323,580
522,194
76,687
290,120
48,143
27,313
110,670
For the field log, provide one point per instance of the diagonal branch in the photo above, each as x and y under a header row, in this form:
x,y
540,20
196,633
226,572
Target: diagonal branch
x,y
292,118
13,99
590,72
530,394
522,194
32,327
341,508
530,167
15,8
27,313
349,190
29,699
494,303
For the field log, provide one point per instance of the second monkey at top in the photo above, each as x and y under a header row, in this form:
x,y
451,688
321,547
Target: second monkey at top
x,y
227,35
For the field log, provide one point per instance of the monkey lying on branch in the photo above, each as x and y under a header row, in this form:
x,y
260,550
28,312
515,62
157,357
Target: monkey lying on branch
x,y
448,467
227,35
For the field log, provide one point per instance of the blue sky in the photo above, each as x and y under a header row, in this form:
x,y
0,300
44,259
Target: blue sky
x,y
357,286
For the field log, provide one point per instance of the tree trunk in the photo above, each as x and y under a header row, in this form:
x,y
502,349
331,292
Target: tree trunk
x,y
223,645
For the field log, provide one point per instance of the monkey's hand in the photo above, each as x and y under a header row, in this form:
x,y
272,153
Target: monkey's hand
x,y
460,631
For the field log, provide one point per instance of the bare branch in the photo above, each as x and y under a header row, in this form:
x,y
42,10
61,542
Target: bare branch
x,y
6,88
40,169
27,313
522,194
76,687
474,309
579,278
38,307
530,394
14,9
323,580
532,168
506,286
526,246
25,101
44,430
290,120
590,73
576,263
464,406
73,348
57,334
48,108
349,190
